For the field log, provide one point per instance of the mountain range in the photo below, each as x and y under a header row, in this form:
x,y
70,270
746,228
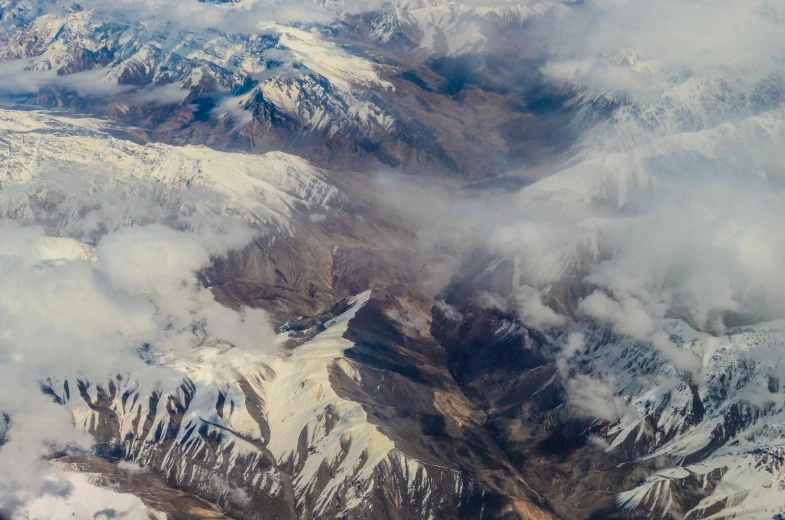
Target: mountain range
x,y
400,260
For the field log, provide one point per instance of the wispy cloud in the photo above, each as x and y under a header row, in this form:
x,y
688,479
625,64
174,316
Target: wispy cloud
x,y
19,77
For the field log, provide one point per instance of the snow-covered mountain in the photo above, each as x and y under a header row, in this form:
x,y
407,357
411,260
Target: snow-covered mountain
x,y
268,190
218,301
241,429
281,77
720,433
257,434
675,444
325,91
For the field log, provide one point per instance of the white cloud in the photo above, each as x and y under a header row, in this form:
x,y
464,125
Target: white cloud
x,y
575,344
630,316
147,257
533,311
592,395
410,322
595,398
69,310
130,467
601,76
448,311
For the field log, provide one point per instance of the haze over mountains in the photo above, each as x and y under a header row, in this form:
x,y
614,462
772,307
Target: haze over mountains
x,y
406,260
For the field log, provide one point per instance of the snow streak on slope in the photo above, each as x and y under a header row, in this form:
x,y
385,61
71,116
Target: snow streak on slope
x,y
326,59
